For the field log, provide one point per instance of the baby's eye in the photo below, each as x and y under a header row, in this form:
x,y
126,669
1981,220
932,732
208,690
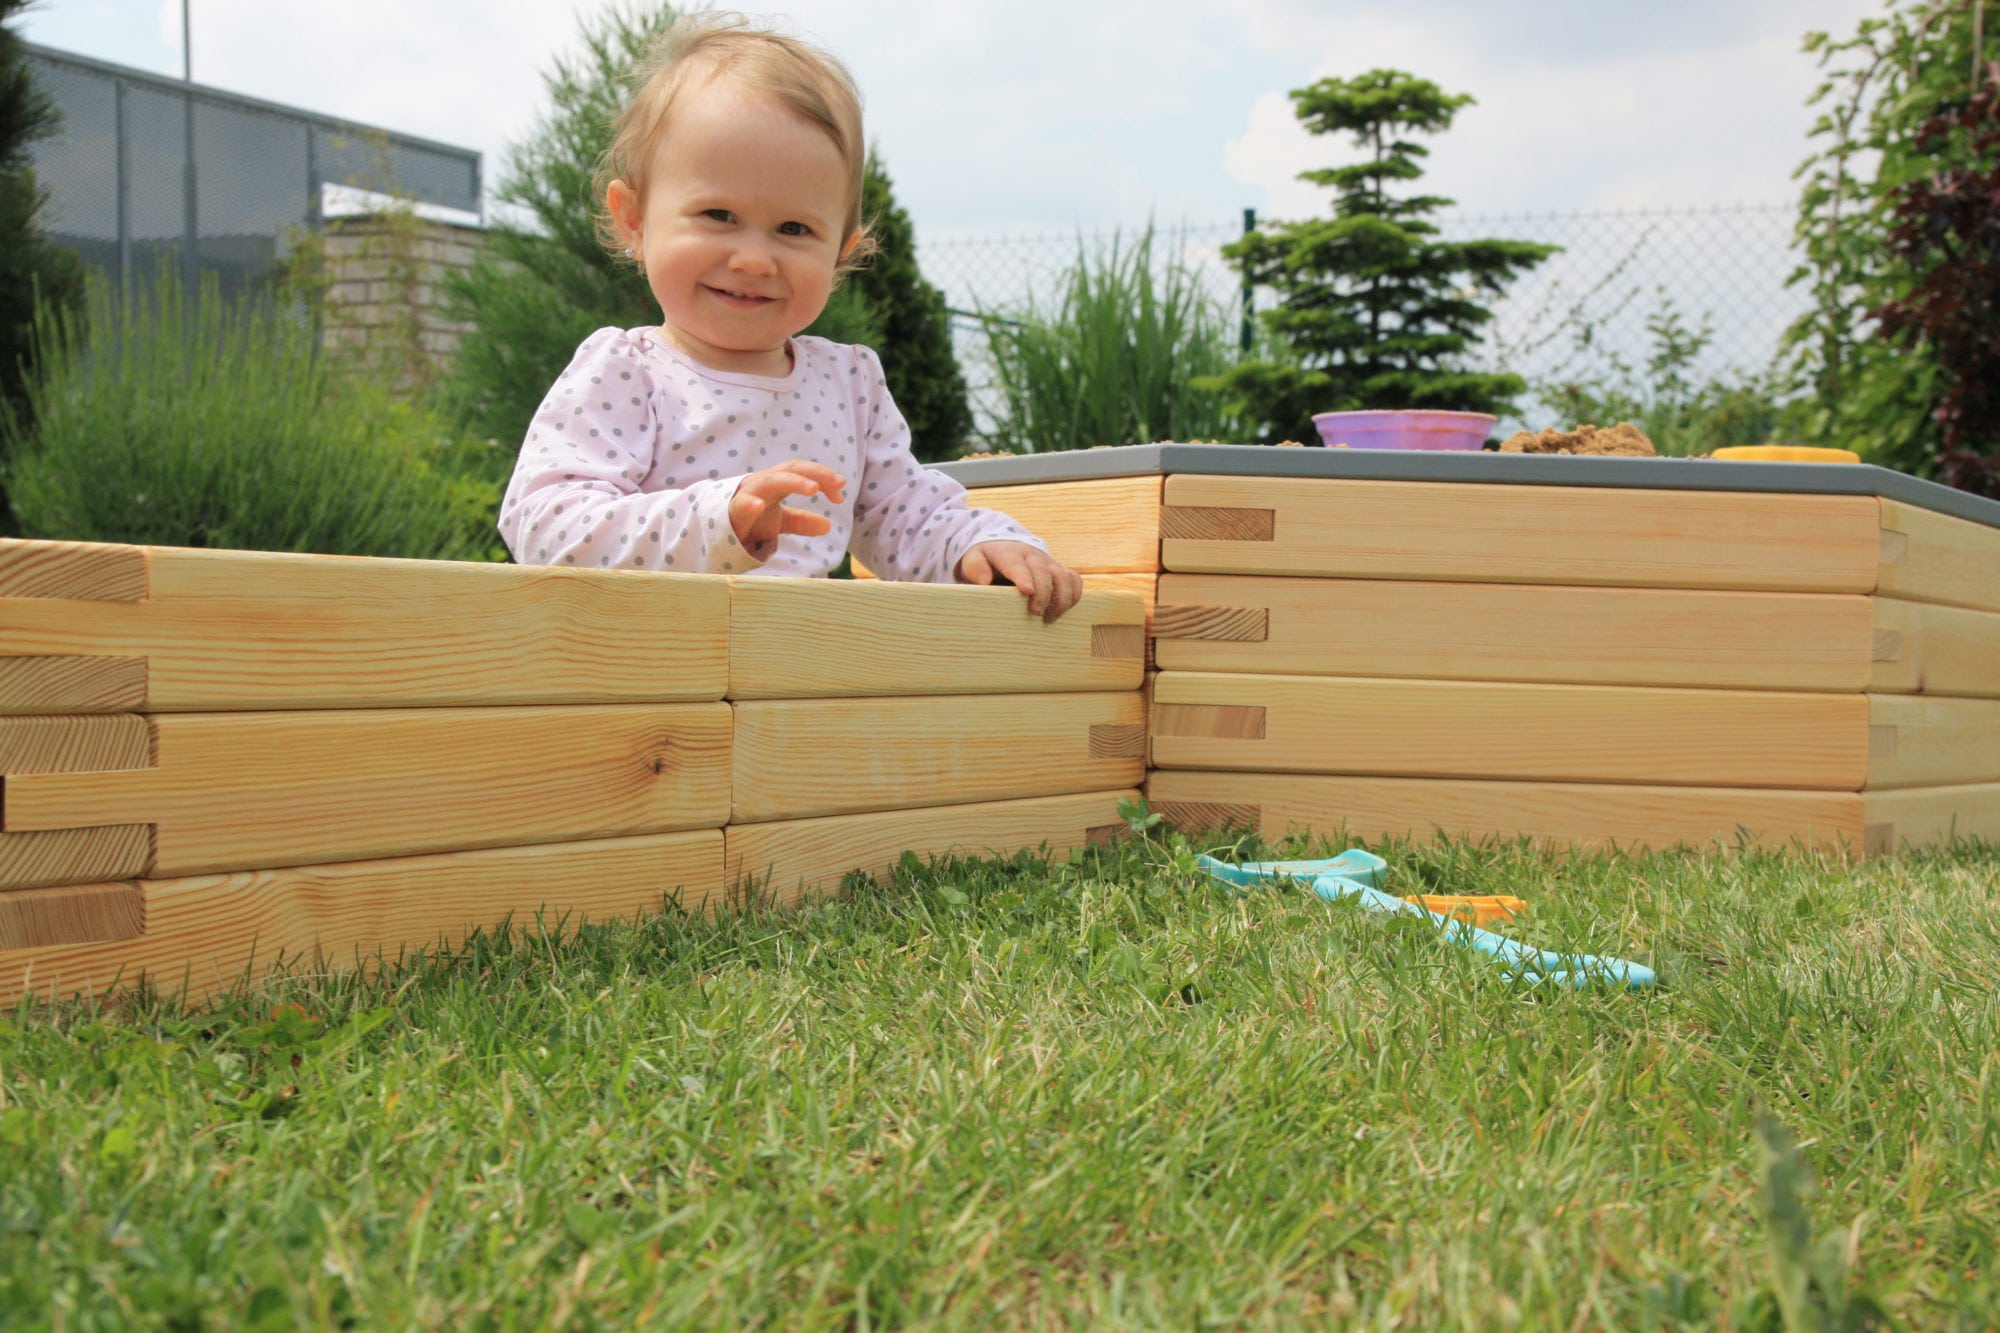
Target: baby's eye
x,y
719,215
794,229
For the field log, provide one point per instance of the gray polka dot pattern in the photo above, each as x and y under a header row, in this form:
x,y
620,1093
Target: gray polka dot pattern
x,y
643,480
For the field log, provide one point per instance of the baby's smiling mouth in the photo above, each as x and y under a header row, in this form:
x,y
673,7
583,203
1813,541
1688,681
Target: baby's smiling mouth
x,y
741,298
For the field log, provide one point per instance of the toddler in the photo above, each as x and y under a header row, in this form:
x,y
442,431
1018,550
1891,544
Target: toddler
x,y
721,441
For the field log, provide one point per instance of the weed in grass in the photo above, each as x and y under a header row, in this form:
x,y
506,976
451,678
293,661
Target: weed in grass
x,y
1085,1091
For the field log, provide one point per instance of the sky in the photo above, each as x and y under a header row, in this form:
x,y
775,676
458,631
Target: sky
x,y
1053,116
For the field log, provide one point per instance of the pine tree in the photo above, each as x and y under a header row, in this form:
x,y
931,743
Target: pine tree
x,y
915,331
1374,310
543,281
30,268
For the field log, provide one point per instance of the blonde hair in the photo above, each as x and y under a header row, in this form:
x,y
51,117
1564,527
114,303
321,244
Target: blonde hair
x,y
809,81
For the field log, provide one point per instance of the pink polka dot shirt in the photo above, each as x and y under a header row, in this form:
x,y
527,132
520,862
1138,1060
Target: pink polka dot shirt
x,y
632,457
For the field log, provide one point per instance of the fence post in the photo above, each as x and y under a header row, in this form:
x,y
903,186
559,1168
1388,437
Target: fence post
x,y
122,156
1249,225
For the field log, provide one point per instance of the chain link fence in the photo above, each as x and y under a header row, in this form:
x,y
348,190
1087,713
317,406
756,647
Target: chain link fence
x,y
145,171
1581,316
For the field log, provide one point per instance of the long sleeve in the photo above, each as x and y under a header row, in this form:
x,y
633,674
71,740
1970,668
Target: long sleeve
x,y
910,522
597,485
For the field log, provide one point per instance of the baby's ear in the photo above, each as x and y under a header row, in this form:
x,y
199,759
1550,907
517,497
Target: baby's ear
x,y
622,202
847,249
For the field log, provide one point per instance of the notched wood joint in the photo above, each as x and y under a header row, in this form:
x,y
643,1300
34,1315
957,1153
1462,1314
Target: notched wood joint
x,y
1118,641
1881,742
1206,816
78,914
1217,523
73,571
1888,645
1895,546
65,684
1236,722
1118,740
1878,839
1099,834
1226,624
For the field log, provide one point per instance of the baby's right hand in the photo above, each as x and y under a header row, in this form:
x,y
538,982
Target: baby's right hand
x,y
757,513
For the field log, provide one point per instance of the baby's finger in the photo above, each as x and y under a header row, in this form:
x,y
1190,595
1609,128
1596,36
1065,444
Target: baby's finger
x,y
974,567
804,522
829,480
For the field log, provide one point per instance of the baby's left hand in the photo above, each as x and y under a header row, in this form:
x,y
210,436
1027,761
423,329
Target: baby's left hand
x,y
1051,588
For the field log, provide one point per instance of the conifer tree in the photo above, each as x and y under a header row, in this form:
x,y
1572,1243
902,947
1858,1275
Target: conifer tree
x,y
914,329
1374,309
30,268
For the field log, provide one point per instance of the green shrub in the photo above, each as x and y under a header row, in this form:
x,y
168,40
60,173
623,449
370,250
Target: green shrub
x,y
1682,415
1114,360
220,424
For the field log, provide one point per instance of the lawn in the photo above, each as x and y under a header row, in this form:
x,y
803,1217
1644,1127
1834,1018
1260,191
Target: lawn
x,y
1095,1092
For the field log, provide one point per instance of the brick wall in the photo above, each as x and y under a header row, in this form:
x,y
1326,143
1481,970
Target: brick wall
x,y
384,295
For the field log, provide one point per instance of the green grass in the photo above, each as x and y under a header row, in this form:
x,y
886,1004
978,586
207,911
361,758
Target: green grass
x,y
1095,1093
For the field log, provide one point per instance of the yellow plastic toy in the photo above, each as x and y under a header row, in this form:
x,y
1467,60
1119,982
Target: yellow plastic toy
x,y
1786,453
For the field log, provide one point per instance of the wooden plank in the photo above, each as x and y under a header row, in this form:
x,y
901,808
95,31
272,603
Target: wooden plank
x,y
1479,729
78,914
1927,816
213,932
792,859
74,744
1105,526
1926,741
75,571
1562,814
1580,535
225,630
801,758
1924,648
72,684
74,855
1931,557
238,791
1516,632
820,638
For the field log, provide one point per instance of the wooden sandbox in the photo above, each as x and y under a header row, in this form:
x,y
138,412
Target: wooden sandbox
x,y
214,760
1586,651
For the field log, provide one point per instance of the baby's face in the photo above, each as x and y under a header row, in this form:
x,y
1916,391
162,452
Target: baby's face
x,y
741,227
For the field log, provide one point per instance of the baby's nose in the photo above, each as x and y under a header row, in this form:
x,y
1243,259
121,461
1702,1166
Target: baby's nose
x,y
752,259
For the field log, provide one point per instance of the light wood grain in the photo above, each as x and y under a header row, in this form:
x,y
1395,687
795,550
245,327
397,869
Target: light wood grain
x,y
1930,816
75,571
1478,729
799,758
72,684
1561,814
225,630
236,791
214,932
792,859
1105,526
74,744
74,855
1931,557
1573,535
1926,741
77,914
1515,632
820,638
1924,648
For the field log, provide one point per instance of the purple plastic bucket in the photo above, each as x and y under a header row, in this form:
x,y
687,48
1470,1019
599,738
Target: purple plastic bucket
x,y
1410,429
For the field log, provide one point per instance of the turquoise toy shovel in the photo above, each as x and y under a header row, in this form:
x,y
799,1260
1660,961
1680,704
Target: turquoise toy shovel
x,y
1356,874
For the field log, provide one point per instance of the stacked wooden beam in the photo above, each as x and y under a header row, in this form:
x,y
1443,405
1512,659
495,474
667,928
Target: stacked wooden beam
x,y
1584,665
213,761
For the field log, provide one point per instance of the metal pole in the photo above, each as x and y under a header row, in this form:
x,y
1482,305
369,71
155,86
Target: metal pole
x,y
123,159
1249,225
191,218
